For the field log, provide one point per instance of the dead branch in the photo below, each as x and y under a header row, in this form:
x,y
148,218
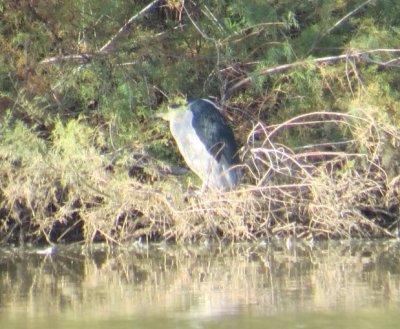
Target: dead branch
x,y
360,55
79,58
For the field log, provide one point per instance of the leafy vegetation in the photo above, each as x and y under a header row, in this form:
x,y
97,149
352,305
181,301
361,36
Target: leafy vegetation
x,y
312,90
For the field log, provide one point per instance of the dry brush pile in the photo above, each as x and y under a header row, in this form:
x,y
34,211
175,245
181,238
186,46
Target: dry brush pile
x,y
68,190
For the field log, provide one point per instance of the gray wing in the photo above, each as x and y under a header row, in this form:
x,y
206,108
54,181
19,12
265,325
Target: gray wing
x,y
214,131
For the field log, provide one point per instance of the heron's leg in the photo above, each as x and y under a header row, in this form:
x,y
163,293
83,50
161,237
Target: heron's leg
x,y
203,187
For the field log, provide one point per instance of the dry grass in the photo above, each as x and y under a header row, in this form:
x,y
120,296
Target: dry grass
x,y
68,191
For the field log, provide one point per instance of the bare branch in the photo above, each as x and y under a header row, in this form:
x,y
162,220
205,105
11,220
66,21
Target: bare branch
x,y
343,19
124,29
79,58
361,55
338,23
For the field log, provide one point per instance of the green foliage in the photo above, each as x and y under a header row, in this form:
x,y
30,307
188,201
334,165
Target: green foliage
x,y
20,144
242,37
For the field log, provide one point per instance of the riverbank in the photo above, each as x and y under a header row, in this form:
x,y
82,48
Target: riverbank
x,y
311,92
68,189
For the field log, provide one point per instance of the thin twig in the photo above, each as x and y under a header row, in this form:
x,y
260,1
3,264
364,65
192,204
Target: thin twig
x,y
202,33
217,44
257,28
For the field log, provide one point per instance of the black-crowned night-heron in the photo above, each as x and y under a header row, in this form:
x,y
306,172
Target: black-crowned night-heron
x,y
206,142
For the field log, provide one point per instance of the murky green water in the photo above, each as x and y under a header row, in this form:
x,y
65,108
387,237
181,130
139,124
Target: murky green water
x,y
331,285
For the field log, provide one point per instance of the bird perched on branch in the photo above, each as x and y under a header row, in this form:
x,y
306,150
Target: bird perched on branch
x,y
206,142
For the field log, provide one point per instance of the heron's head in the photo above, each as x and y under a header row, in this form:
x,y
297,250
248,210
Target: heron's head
x,y
175,108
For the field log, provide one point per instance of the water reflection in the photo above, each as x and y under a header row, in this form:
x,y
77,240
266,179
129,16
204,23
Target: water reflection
x,y
233,287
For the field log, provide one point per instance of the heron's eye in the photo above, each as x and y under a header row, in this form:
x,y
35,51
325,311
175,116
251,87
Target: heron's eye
x,y
175,105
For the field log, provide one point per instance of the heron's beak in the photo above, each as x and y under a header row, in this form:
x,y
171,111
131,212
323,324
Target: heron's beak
x,y
163,115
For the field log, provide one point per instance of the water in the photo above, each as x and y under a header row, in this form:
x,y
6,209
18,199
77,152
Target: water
x,y
329,285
